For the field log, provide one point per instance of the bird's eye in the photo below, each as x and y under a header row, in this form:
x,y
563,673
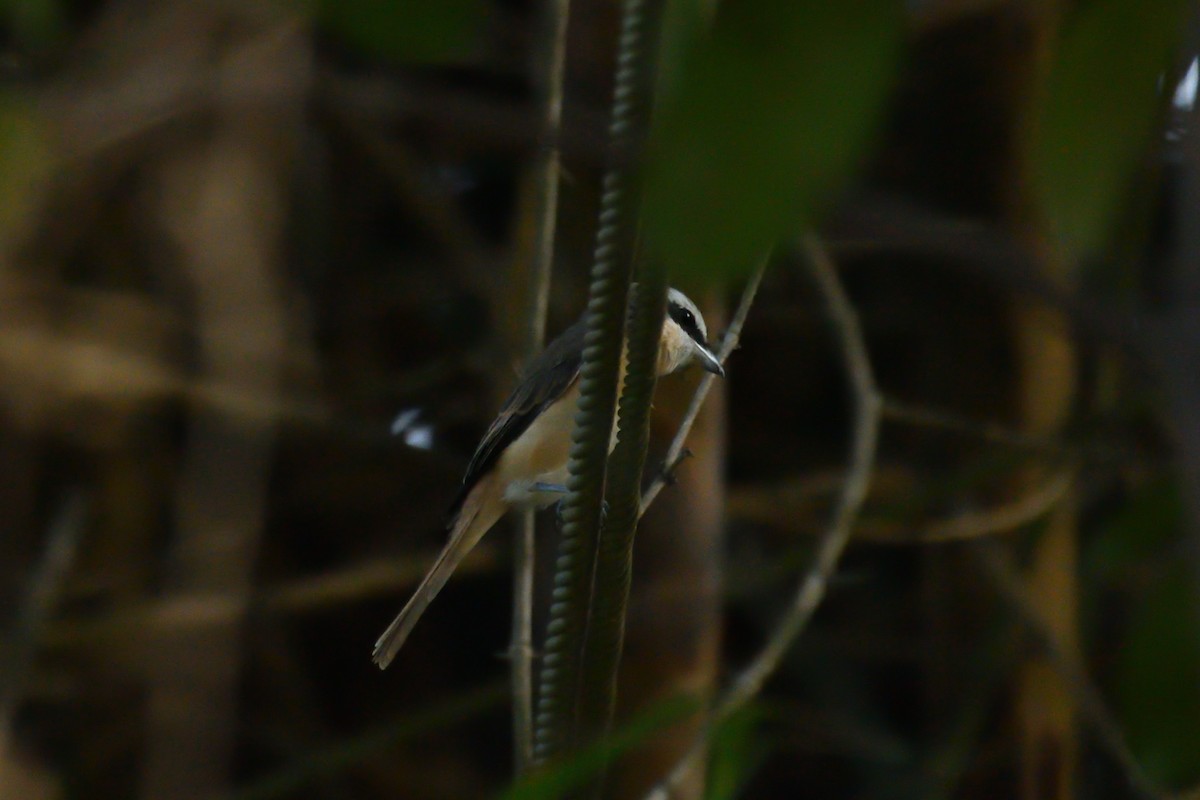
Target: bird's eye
x,y
685,318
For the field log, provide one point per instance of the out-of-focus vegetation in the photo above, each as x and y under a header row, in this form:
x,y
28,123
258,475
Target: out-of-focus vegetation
x,y
239,241
767,113
414,32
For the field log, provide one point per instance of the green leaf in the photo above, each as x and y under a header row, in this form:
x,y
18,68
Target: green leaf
x,y
765,116
737,751
1099,110
684,23
1158,680
1156,672
558,780
1147,523
25,162
416,31
35,23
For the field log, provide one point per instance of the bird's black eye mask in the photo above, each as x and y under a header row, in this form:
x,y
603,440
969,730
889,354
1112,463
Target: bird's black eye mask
x,y
686,320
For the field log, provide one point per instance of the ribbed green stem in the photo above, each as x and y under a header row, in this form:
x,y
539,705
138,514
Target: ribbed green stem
x,y
556,727
614,558
558,680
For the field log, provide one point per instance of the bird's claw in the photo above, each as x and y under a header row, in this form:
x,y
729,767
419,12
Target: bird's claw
x,y
668,471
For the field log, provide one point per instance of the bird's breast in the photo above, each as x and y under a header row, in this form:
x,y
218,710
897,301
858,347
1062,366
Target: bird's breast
x,y
539,454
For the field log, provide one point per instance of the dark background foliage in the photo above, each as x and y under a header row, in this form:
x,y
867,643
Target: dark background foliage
x,y
238,241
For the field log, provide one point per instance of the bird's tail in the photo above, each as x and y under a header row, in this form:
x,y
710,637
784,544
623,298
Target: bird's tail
x,y
478,514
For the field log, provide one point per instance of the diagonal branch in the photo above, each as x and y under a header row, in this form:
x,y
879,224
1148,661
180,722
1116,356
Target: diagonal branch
x,y
868,413
62,544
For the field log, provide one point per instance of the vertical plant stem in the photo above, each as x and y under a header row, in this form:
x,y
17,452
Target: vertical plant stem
x,y
557,714
224,208
521,649
1182,348
549,73
614,557
556,724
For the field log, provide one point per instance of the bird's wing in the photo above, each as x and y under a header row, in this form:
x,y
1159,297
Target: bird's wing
x,y
546,379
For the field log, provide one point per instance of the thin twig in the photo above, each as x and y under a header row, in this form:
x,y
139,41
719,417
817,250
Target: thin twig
x,y
867,417
676,453
782,506
1003,518
62,542
1087,696
520,650
550,74
354,584
889,224
899,411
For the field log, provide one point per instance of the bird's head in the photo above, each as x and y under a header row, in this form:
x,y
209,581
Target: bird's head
x,y
685,338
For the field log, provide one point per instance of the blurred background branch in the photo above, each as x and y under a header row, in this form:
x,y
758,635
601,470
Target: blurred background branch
x,y
224,216
538,223
749,682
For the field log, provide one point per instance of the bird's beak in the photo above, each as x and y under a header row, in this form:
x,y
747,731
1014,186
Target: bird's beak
x,y
709,362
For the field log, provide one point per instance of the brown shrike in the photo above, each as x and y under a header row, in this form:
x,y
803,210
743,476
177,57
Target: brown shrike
x,y
522,460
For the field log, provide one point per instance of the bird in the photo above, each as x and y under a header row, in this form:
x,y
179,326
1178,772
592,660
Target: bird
x,y
521,461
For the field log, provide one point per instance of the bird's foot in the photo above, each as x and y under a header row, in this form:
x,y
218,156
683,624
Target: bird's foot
x,y
515,651
667,474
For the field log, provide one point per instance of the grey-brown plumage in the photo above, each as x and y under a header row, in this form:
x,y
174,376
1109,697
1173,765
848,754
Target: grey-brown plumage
x,y
544,381
524,452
